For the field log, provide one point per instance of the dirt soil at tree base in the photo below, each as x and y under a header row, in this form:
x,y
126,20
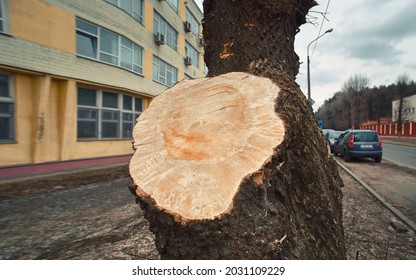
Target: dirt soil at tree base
x,y
368,224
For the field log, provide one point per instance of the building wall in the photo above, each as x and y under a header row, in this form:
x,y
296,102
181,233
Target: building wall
x,y
39,53
408,109
43,24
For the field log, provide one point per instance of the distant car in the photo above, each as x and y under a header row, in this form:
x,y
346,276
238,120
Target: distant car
x,y
359,144
326,130
331,136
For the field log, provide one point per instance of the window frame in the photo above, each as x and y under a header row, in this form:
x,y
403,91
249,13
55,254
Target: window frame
x,y
193,53
4,17
99,52
162,26
11,114
116,114
193,21
174,4
134,9
166,68
2,21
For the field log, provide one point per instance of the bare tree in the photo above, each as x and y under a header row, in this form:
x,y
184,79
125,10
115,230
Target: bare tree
x,y
402,83
355,87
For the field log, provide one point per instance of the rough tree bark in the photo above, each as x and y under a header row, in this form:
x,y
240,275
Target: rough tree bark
x,y
235,167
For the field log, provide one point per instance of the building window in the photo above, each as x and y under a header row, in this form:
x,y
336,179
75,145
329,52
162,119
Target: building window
x,y
103,45
193,22
164,73
6,109
192,53
131,56
132,7
87,39
4,27
160,25
108,47
106,115
173,4
1,17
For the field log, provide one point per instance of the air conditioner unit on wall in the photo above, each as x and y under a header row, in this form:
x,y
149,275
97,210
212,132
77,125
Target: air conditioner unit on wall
x,y
159,39
187,26
188,61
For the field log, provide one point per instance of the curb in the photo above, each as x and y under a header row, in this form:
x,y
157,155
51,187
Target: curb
x,y
399,144
396,212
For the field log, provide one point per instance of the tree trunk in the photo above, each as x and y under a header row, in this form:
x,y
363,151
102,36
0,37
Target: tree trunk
x,y
234,166
400,117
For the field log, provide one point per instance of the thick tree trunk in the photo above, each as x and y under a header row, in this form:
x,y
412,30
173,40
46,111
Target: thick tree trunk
x,y
239,34
235,167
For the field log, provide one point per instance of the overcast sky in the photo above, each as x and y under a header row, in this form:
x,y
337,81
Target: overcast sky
x,y
372,37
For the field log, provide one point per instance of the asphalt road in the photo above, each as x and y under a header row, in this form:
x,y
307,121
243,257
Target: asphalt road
x,y
400,155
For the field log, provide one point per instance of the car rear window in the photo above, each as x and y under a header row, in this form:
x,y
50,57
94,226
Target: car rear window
x,y
333,134
365,137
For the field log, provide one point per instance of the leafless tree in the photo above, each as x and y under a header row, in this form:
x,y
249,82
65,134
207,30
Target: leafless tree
x,y
401,106
354,87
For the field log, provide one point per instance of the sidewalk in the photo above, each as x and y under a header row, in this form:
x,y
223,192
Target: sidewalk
x,y
22,172
407,141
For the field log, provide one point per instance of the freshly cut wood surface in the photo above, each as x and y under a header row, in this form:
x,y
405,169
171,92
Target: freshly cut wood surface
x,y
198,140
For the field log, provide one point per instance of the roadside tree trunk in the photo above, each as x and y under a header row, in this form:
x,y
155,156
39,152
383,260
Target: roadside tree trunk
x,y
234,166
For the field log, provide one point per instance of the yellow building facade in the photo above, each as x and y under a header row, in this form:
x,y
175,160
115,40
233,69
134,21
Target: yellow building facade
x,y
75,74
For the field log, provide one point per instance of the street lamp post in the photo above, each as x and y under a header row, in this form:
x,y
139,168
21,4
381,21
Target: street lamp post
x,y
308,62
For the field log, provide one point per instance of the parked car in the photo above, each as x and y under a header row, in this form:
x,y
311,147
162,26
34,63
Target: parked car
x,y
359,144
331,136
325,131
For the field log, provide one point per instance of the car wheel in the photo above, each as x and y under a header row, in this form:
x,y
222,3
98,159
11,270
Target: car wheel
x,y
347,157
335,153
378,159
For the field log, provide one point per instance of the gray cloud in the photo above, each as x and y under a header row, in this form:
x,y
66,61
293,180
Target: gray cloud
x,y
374,48
368,33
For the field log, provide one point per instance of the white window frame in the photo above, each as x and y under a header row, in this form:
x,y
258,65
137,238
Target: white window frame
x,y
174,5
136,8
160,25
9,115
162,71
119,112
191,52
4,17
193,22
2,21
137,50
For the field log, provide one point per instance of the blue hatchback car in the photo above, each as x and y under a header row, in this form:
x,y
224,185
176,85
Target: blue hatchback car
x,y
359,144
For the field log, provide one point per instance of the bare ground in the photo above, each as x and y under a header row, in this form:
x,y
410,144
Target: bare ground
x,y
368,230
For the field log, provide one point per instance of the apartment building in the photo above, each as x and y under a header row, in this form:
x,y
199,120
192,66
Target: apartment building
x,y
75,74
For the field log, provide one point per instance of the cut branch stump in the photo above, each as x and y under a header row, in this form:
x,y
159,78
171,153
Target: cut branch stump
x,y
208,173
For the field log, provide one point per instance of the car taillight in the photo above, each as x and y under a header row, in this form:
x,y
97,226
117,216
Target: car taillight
x,y
380,144
351,143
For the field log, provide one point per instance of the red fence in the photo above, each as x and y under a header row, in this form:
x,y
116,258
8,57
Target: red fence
x,y
390,129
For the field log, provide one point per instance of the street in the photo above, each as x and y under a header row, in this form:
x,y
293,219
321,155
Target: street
x,y
400,155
